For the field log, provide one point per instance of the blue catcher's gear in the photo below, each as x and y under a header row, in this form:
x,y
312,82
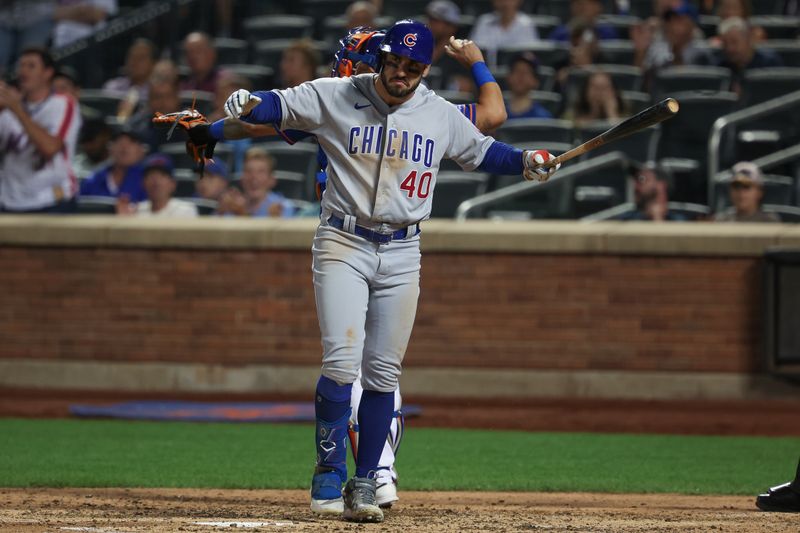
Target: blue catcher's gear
x,y
411,39
351,51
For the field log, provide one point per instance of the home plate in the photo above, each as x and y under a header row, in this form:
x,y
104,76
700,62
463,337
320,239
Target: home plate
x,y
245,524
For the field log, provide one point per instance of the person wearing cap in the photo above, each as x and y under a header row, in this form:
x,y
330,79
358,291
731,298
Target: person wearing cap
x,y
505,26
93,148
680,44
522,79
584,13
159,184
746,192
213,182
444,19
124,174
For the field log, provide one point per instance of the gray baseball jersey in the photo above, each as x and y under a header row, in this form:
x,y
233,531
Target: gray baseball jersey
x,y
382,161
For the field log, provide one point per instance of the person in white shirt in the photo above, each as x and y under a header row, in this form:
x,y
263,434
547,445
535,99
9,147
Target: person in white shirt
x,y
502,28
159,184
38,134
76,19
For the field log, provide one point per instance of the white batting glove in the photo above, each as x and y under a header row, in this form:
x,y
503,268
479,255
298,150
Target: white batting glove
x,y
533,161
240,103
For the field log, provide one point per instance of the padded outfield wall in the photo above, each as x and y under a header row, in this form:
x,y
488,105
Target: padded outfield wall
x,y
530,309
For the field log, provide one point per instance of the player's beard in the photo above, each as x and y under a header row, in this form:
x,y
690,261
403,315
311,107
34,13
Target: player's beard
x,y
397,92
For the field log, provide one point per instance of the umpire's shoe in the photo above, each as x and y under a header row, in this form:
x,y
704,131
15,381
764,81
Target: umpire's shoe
x,y
360,504
781,499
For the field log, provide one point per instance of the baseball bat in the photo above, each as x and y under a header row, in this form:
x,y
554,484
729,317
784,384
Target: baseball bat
x,y
654,114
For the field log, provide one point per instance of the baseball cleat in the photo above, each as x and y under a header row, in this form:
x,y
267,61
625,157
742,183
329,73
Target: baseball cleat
x,y
386,493
359,501
326,494
780,499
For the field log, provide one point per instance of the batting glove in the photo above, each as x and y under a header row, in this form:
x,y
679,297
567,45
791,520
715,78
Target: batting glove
x,y
533,160
240,103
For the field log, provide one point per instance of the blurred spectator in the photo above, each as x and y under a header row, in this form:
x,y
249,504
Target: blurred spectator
x,y
443,19
746,192
139,62
65,81
739,51
599,99
650,195
213,182
38,136
23,24
584,13
680,45
201,58
164,98
229,83
742,9
505,26
361,14
93,143
164,71
584,51
124,174
258,180
159,184
232,202
76,19
791,7
522,79
299,63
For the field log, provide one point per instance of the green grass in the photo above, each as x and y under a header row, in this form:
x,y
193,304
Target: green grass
x,y
80,453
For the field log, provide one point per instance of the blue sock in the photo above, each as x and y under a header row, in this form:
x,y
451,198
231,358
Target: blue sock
x,y
374,420
332,400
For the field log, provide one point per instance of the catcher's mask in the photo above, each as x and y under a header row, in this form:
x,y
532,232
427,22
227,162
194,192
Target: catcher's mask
x,y
359,45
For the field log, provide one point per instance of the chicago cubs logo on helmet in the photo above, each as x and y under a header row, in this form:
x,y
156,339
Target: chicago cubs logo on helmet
x,y
411,39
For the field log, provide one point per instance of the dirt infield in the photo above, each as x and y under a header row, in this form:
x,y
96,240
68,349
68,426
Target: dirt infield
x,y
193,510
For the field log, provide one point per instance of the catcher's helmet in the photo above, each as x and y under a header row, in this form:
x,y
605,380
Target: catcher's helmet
x,y
411,39
359,45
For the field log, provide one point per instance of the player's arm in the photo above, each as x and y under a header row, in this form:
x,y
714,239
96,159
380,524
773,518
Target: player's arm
x,y
46,144
490,111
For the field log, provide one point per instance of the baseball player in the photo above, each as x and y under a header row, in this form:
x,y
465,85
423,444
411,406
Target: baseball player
x,y
384,136
783,498
359,53
38,135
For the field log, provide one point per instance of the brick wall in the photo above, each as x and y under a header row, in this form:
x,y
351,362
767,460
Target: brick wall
x,y
476,310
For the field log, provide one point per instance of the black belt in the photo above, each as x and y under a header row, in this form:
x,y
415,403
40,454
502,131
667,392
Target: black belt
x,y
371,235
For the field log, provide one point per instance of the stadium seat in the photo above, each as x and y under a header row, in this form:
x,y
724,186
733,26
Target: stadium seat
x,y
177,150
97,205
616,52
767,7
788,50
532,130
259,77
268,53
545,24
670,80
232,51
548,99
185,183
405,8
323,8
621,23
708,25
556,8
760,85
549,53
278,27
203,101
638,101
204,206
640,146
686,135
452,188
334,27
300,158
641,8
786,213
478,7
777,26
106,102
292,185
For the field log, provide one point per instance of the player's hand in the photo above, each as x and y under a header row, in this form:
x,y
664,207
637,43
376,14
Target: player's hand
x,y
534,161
10,98
464,51
240,103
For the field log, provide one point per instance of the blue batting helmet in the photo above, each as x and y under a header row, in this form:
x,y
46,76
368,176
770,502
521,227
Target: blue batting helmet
x,y
411,39
359,45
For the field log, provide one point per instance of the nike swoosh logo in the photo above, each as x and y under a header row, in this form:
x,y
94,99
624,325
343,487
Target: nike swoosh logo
x,y
362,106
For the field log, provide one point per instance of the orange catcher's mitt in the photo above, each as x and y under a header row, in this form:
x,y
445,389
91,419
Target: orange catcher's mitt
x,y
200,145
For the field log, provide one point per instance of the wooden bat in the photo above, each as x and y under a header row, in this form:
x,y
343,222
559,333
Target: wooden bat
x,y
654,114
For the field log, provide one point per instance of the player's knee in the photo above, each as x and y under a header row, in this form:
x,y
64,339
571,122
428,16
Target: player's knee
x,y
340,372
381,376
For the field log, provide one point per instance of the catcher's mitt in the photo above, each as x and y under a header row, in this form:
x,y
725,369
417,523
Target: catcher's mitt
x,y
200,145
